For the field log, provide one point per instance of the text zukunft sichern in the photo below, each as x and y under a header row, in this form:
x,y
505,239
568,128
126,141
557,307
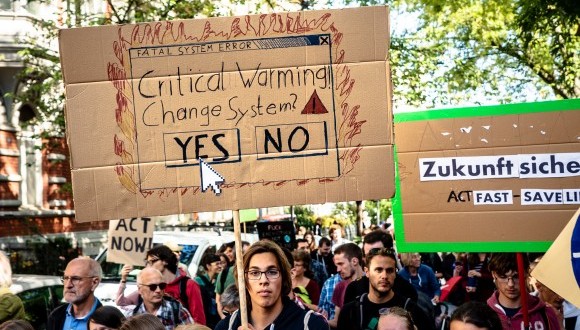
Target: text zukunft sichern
x,y
552,165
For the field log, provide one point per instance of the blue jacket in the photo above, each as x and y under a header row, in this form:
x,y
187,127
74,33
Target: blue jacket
x,y
427,283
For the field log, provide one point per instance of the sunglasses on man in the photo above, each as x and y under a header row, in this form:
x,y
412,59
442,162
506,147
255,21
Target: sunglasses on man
x,y
153,287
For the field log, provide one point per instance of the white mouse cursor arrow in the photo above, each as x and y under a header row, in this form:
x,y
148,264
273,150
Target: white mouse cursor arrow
x,y
210,178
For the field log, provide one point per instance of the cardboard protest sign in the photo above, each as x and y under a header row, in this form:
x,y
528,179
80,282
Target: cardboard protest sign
x,y
559,268
129,240
281,232
282,109
500,178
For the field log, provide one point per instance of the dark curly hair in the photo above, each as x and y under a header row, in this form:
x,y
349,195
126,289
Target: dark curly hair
x,y
165,254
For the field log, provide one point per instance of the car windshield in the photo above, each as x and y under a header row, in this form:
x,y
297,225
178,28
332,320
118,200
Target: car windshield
x,y
187,253
112,271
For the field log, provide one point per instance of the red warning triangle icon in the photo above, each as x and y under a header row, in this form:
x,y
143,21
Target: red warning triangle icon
x,y
314,106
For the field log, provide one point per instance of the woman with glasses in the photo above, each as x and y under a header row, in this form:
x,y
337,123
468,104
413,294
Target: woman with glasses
x,y
268,283
303,286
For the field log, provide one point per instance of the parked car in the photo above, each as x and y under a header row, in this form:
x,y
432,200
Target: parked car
x,y
40,294
194,244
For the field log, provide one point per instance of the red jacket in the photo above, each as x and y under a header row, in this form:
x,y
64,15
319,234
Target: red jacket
x,y
538,312
193,295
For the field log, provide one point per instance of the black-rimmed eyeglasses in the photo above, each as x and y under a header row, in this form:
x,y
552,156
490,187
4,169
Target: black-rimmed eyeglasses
x,y
255,274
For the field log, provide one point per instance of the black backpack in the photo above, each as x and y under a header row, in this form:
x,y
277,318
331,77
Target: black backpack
x,y
209,305
183,291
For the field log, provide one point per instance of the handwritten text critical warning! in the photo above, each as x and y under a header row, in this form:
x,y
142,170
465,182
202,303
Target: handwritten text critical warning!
x,y
223,101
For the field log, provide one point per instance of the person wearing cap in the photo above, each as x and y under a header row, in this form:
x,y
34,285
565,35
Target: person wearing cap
x,y
177,250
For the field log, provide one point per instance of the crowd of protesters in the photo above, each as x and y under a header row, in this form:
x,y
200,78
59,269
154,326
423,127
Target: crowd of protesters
x,y
326,282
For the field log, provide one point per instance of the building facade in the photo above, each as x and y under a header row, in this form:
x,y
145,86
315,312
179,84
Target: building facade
x,y
35,184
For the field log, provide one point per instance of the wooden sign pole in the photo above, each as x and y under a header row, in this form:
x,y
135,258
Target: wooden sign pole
x,y
240,270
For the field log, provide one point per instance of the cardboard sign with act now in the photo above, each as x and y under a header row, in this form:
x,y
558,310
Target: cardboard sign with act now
x,y
276,109
129,240
500,178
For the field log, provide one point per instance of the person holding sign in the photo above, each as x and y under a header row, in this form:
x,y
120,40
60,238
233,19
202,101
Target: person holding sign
x,y
268,282
153,301
179,286
506,301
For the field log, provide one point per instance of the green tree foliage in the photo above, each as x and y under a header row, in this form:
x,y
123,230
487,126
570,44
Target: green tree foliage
x,y
304,215
384,206
42,80
453,52
494,51
345,213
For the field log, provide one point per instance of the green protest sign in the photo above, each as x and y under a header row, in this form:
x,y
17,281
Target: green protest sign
x,y
487,179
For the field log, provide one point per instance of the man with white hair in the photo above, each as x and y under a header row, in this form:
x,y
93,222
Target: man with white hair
x,y
153,301
81,277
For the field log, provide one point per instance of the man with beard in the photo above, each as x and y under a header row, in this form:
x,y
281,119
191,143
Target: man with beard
x,y
81,278
364,312
324,256
374,240
348,261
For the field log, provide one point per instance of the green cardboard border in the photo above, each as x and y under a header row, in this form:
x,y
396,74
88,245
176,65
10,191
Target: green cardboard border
x,y
483,111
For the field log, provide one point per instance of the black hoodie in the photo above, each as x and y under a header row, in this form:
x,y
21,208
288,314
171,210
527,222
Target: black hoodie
x,y
291,318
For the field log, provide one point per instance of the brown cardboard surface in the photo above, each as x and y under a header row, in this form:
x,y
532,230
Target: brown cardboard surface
x,y
291,113
129,240
465,208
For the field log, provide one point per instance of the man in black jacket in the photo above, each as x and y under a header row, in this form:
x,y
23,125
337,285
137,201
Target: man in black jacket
x,y
364,312
374,240
81,278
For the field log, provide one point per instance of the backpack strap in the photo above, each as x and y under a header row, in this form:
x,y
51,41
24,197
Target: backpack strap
x,y
223,277
406,303
359,304
545,318
232,319
307,318
205,281
139,302
183,291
